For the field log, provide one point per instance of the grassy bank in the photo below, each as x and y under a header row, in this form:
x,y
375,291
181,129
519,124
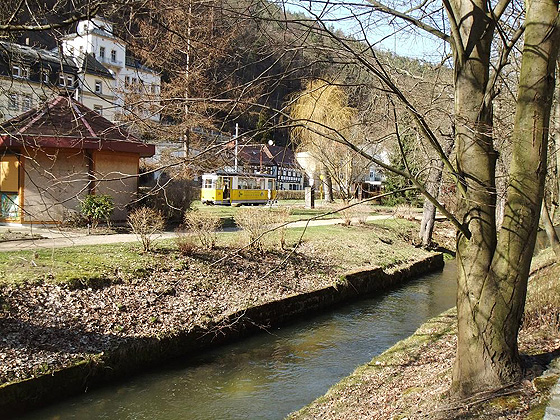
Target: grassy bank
x,y
382,243
411,380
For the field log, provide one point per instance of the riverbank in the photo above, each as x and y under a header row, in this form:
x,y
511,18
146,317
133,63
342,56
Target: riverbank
x,y
411,380
57,334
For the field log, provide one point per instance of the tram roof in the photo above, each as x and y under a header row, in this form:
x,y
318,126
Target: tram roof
x,y
241,174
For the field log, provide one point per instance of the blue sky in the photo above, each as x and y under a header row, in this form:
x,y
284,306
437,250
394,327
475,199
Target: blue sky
x,y
386,35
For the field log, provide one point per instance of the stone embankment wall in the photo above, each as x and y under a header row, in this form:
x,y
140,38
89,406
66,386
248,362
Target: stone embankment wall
x,y
141,353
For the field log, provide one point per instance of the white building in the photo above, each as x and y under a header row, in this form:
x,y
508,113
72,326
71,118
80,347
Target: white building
x,y
135,87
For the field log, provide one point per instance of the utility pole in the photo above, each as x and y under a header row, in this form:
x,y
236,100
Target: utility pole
x,y
236,143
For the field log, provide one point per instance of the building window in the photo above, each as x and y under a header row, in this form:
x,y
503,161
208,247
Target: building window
x,y
98,109
66,80
13,102
113,56
20,71
98,87
45,76
101,52
26,103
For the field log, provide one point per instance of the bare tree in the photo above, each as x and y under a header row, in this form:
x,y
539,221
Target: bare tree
x,y
493,263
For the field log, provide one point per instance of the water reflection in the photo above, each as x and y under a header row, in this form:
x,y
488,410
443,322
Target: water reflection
x,y
270,375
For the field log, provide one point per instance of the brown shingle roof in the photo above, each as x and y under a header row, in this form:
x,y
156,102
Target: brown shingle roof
x,y
65,123
267,155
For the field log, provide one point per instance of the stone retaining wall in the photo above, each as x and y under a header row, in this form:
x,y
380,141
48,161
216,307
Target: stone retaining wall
x,y
141,353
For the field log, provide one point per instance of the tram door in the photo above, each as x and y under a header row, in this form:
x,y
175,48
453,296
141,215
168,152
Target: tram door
x,y
226,189
269,188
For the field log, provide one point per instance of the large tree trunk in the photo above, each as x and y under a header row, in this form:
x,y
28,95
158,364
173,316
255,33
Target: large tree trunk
x,y
555,147
492,275
476,160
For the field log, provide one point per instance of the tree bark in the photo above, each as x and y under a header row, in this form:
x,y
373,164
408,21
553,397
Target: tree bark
x,y
556,146
476,165
493,272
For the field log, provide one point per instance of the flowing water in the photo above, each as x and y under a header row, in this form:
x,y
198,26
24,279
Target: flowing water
x,y
272,374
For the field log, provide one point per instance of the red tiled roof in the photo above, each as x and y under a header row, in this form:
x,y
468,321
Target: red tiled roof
x,y
65,123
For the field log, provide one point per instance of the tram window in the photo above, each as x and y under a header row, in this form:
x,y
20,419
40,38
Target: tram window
x,y
252,184
207,183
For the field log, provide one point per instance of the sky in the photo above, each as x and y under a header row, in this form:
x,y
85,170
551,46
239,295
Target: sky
x,y
395,36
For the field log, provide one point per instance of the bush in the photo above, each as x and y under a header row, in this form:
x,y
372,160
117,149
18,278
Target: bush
x,y
358,211
204,226
404,211
290,195
97,207
170,194
280,216
145,223
185,244
254,221
74,219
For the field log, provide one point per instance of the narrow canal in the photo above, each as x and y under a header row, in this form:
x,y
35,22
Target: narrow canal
x,y
270,375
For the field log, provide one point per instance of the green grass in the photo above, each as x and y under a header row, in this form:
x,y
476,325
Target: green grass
x,y
80,266
381,243
95,266
297,210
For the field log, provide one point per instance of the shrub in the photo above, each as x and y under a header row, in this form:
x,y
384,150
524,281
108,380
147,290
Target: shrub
x,y
403,211
74,219
96,208
254,222
145,223
171,194
204,226
185,244
290,195
362,213
280,216
359,212
346,215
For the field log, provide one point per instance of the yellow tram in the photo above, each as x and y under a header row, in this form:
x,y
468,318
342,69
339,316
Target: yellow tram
x,y
229,188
